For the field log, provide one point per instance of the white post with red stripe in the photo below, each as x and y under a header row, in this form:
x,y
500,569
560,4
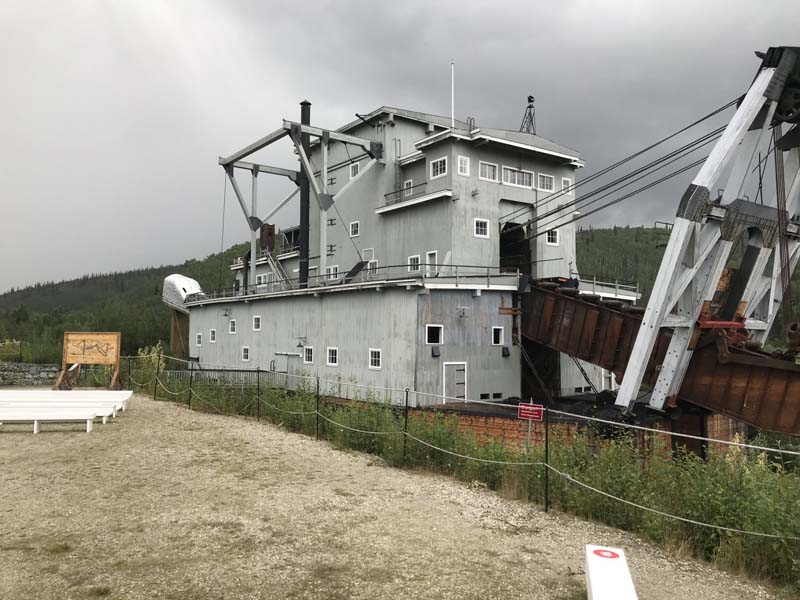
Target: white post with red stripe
x,y
607,574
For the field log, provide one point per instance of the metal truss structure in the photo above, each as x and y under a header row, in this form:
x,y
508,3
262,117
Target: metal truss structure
x,y
706,230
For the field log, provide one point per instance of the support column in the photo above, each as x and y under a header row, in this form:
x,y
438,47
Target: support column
x,y
253,232
323,215
305,197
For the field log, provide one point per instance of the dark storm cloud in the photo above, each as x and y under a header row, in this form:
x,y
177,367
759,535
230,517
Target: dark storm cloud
x,y
113,114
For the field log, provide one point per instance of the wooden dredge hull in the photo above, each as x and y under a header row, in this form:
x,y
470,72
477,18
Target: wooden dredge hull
x,y
755,387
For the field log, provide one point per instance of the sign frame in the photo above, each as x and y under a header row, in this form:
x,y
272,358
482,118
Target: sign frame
x,y
89,348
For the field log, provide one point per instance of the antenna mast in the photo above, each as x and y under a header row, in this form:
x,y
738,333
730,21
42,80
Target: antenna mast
x,y
529,119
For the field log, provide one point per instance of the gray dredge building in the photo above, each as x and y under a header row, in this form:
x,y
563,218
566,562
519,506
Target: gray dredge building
x,y
403,271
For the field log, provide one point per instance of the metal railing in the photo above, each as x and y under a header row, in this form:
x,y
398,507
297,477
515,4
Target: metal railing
x,y
409,193
418,273
263,254
617,287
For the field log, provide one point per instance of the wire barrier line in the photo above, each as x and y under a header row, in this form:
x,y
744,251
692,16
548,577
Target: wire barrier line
x,y
625,160
473,458
207,403
343,426
673,433
283,410
169,391
134,382
667,515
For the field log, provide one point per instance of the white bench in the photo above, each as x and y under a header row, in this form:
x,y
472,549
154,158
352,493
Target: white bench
x,y
119,397
37,416
607,574
101,408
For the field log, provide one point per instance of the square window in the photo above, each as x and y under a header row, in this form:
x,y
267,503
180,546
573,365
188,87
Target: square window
x,y
232,326
332,272
212,336
487,171
497,336
434,335
413,263
245,353
333,356
198,340
546,183
463,165
374,358
439,167
408,184
481,229
355,228
308,355
354,168
256,323
566,185
551,239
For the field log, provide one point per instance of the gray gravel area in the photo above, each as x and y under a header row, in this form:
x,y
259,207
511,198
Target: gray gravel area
x,y
169,503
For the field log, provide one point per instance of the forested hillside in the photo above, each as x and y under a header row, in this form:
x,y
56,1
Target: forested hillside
x,y
130,302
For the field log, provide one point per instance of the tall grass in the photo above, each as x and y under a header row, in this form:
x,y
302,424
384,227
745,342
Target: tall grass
x,y
732,488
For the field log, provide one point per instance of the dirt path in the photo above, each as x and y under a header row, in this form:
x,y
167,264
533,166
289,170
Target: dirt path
x,y
167,503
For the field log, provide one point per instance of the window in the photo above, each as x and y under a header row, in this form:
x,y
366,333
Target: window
x,y
497,336
333,356
434,334
463,165
546,183
552,237
497,396
245,353
407,185
268,277
487,171
439,167
481,228
431,266
375,358
332,272
256,323
413,263
232,326
566,185
212,336
259,279
354,168
355,228
517,177
308,355
198,340
485,396
372,267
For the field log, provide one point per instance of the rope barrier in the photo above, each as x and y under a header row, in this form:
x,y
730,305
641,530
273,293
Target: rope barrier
x,y
474,458
289,412
343,426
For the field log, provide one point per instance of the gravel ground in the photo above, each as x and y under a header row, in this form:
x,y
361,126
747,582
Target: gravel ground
x,y
168,503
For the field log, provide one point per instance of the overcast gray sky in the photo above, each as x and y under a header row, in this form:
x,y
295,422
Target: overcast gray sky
x,y
113,113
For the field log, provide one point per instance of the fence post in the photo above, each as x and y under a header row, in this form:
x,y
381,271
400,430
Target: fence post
x,y
405,425
546,458
191,379
155,378
258,393
317,410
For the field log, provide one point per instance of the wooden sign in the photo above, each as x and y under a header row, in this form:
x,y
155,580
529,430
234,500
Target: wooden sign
x,y
89,348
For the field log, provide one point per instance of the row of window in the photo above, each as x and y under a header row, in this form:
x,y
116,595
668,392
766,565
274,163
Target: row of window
x,y
374,357
434,335
488,172
212,334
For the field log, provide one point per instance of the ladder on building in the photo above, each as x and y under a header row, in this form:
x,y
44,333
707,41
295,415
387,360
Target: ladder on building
x,y
277,269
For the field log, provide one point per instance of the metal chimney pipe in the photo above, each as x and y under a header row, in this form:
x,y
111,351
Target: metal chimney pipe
x,y
305,119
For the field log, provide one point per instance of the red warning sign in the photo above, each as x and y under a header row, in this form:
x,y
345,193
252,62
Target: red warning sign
x,y
530,412
604,553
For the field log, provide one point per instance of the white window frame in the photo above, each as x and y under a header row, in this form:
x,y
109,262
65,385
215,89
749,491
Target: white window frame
x,y
372,267
305,355
355,168
465,172
332,273
380,359
269,277
198,339
566,184
407,185
496,171
232,326
441,334
410,269
547,237
525,187
431,262
431,176
245,349
475,228
254,322
502,335
358,229
328,356
539,182
212,336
